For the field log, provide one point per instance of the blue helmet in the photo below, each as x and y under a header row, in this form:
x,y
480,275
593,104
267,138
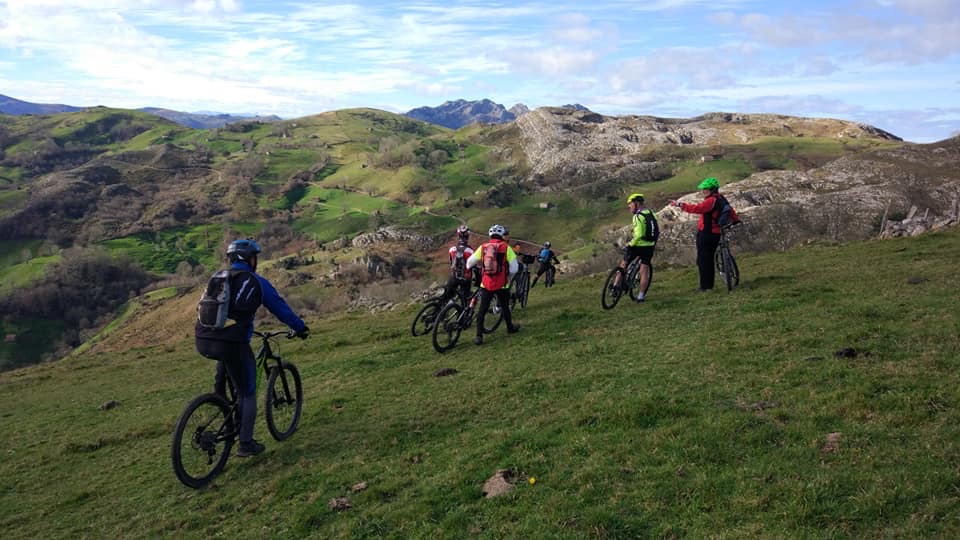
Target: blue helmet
x,y
242,250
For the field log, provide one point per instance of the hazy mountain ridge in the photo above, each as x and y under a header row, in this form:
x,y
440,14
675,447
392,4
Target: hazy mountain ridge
x,y
16,107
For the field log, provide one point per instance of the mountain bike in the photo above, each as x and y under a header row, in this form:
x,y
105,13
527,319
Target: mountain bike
x,y
209,426
456,317
627,282
520,287
724,261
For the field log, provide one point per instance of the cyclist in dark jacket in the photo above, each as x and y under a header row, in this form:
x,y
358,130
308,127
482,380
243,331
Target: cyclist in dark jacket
x,y
230,346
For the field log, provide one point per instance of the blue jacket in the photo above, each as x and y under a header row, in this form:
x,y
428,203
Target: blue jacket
x,y
243,321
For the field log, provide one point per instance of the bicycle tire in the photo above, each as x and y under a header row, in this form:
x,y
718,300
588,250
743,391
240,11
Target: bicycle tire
x,y
515,291
611,294
734,270
202,440
718,261
495,312
423,322
525,295
732,275
284,401
446,330
727,268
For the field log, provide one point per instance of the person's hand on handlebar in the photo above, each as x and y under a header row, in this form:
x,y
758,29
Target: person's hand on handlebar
x,y
303,334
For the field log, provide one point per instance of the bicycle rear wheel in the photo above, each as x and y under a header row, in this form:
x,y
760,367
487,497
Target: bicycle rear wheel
x,y
202,440
494,315
611,293
284,401
423,322
446,330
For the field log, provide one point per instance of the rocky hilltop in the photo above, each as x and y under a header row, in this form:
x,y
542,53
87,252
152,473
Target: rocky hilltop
x,y
567,143
851,198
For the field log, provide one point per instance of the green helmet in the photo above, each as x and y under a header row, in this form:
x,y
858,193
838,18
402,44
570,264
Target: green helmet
x,y
709,183
636,197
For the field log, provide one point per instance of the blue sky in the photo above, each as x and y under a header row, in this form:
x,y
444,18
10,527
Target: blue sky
x,y
894,64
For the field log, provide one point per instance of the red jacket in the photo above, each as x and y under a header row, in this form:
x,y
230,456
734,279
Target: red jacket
x,y
709,210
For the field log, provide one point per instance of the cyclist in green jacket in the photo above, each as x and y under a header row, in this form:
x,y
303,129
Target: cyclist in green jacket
x,y
646,231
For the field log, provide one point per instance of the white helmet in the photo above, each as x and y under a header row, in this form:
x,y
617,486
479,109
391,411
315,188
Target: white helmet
x,y
546,244
497,230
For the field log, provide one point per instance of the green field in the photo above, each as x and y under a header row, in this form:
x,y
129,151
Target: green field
x,y
818,400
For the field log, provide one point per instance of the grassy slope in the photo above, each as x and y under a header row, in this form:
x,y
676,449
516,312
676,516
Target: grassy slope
x,y
692,415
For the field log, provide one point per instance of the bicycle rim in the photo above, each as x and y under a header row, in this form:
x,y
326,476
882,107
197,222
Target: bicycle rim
x,y
202,440
423,322
284,401
446,330
611,294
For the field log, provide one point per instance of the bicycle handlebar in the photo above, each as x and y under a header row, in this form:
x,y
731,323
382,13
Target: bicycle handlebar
x,y
290,334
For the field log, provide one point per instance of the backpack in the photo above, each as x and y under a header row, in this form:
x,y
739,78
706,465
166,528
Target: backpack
x,y
545,255
726,215
651,229
219,297
459,263
492,259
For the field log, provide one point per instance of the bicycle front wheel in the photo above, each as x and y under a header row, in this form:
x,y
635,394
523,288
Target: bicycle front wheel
x,y
446,330
611,292
524,291
202,440
731,274
284,400
423,322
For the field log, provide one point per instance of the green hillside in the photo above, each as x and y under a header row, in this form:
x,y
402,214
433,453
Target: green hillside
x,y
690,416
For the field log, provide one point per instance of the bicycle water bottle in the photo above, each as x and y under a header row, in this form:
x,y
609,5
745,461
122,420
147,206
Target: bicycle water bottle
x,y
473,302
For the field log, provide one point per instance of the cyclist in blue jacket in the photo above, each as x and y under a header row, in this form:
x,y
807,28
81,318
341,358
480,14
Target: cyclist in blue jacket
x,y
230,346
547,259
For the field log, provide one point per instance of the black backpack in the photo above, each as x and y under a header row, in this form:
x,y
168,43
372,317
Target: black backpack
x,y
228,294
726,215
651,232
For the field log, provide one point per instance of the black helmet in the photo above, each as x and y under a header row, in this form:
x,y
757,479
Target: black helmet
x,y
242,250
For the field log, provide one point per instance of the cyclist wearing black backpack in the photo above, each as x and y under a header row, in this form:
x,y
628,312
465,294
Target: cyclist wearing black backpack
x,y
226,338
460,275
646,232
715,213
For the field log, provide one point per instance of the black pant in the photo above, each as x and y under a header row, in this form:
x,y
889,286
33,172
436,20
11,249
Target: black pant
x,y
236,360
503,296
706,248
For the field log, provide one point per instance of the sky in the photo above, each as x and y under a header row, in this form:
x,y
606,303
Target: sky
x,y
893,64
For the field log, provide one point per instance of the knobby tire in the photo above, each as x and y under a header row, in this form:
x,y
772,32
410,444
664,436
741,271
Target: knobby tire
x,y
611,294
284,401
202,440
446,329
423,322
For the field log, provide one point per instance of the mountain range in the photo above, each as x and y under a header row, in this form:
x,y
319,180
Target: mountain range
x,y
450,114
16,107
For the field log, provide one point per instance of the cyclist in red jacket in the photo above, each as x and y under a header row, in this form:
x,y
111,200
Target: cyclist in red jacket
x,y
708,230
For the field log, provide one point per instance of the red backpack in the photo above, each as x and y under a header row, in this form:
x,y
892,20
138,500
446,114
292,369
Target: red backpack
x,y
494,255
